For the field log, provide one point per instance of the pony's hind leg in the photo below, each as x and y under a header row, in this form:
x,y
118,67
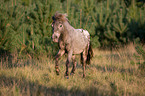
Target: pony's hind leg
x,y
59,54
74,65
84,59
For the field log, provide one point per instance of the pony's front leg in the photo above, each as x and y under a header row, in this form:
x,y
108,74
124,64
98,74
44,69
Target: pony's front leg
x,y
68,62
59,54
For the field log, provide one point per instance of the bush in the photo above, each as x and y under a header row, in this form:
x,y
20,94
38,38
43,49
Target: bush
x,y
26,24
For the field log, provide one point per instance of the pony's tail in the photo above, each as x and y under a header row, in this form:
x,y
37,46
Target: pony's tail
x,y
90,54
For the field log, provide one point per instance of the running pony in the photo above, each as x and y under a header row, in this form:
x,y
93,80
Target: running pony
x,y
71,41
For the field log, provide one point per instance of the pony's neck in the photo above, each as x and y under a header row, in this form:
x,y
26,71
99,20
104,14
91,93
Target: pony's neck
x,y
67,26
67,30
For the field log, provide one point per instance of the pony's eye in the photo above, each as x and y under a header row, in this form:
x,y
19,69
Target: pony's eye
x,y
60,25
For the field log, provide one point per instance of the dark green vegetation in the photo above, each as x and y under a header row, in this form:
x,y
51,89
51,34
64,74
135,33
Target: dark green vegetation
x,y
25,26
27,50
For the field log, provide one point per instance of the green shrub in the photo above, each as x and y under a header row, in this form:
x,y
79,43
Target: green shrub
x,y
26,24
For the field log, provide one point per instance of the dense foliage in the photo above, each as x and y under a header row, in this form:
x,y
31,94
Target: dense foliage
x,y
25,25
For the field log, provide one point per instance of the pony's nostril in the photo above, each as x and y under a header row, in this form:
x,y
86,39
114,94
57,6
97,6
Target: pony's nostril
x,y
55,37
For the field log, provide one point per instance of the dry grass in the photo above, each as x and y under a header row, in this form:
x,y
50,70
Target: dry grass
x,y
110,73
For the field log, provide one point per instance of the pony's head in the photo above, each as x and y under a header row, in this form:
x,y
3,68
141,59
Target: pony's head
x,y
57,25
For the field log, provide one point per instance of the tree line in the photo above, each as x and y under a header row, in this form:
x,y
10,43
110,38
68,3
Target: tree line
x,y
25,25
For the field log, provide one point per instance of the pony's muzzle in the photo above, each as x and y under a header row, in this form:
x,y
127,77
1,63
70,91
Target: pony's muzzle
x,y
55,38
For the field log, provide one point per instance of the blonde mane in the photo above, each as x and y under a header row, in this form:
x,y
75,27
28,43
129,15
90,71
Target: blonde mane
x,y
60,17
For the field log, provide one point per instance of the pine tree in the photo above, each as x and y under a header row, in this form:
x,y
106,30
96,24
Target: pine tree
x,y
12,36
25,25
39,32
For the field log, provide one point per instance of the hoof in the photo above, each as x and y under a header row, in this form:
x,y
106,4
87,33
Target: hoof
x,y
57,72
67,77
72,73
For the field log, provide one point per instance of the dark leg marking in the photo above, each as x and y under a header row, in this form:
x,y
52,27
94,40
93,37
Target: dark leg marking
x,y
60,53
74,65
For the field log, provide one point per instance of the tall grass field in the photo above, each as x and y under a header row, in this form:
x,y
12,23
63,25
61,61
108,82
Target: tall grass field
x,y
111,73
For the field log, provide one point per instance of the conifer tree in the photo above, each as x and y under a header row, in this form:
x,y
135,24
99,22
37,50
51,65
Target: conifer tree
x,y
25,25
39,32
12,34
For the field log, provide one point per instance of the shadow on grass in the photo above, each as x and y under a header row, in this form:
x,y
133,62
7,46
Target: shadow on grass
x,y
23,87
11,62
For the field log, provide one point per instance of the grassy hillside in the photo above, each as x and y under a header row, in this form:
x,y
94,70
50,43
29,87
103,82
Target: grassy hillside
x,y
27,50
110,73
